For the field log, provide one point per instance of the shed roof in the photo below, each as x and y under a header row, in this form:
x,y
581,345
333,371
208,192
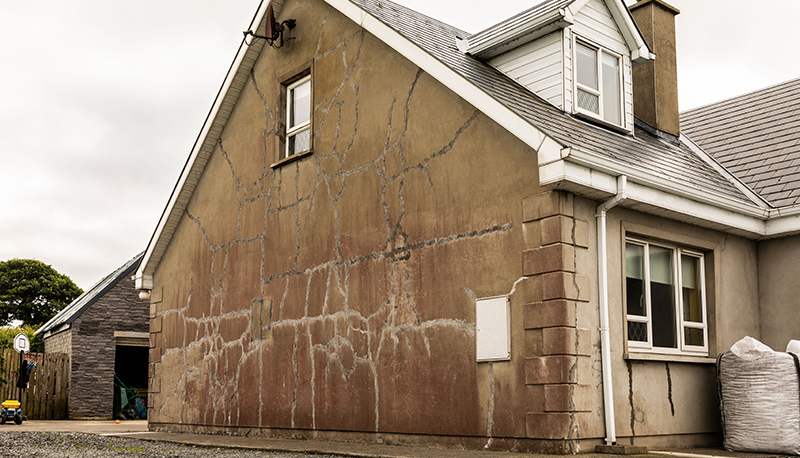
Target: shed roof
x,y
71,312
757,137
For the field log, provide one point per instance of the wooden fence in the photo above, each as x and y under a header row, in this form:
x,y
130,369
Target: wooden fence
x,y
46,396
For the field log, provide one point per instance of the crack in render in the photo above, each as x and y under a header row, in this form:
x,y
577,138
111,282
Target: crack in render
x,y
379,327
490,415
630,400
669,389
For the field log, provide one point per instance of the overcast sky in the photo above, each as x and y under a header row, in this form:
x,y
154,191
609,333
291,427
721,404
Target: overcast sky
x,y
101,102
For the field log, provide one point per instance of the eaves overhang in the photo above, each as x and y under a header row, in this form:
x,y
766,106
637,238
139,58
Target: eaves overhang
x,y
595,176
640,50
514,33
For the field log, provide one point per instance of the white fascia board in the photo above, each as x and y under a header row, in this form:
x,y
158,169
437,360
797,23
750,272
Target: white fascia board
x,y
561,174
556,174
197,160
640,51
497,42
615,168
784,221
638,192
495,110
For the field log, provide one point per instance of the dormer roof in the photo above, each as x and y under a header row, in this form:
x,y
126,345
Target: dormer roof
x,y
547,17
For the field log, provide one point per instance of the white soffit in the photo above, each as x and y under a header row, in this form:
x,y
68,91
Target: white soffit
x,y
525,29
640,51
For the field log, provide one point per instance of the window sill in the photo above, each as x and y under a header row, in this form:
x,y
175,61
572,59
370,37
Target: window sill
x,y
669,358
595,119
290,159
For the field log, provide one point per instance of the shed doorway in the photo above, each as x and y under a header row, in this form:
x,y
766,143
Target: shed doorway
x,y
130,380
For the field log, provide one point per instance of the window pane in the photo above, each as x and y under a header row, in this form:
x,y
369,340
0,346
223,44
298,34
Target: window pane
x,y
611,92
586,66
690,288
634,283
662,298
588,101
637,331
299,142
693,336
301,104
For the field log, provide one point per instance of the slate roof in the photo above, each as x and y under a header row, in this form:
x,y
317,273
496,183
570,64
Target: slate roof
x,y
644,151
71,312
757,137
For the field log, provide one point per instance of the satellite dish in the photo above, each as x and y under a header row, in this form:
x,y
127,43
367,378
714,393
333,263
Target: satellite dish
x,y
274,29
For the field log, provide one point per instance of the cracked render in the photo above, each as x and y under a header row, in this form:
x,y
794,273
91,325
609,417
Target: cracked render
x,y
336,292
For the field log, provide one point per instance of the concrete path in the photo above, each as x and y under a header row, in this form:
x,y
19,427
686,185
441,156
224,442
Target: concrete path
x,y
137,429
78,426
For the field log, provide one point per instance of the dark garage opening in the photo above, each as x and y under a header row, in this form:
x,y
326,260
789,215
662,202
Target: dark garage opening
x,y
130,366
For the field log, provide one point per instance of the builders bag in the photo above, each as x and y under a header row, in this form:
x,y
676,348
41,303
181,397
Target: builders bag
x,y
759,392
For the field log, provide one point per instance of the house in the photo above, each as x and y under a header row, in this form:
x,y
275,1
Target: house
x,y
105,333
393,230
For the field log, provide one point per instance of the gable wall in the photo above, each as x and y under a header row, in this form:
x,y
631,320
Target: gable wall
x,y
538,66
91,385
336,294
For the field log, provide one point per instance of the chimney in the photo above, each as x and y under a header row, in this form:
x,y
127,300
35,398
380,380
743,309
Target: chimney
x,y
655,83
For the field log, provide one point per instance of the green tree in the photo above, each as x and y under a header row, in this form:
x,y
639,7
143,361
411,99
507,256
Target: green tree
x,y
33,292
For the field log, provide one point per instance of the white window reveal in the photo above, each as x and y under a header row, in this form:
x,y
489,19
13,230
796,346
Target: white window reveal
x,y
493,329
298,116
598,83
665,299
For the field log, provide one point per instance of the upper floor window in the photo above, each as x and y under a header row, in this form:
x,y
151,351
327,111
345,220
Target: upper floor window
x,y
598,83
665,298
298,116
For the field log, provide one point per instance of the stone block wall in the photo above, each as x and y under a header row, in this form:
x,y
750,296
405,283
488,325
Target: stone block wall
x,y
94,348
558,369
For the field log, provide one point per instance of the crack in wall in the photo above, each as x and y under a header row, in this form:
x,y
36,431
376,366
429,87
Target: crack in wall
x,y
385,329
669,389
630,401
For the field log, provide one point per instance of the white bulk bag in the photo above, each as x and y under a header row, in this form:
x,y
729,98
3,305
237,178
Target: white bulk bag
x,y
759,391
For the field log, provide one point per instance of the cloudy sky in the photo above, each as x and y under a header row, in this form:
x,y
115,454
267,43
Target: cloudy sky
x,y
101,101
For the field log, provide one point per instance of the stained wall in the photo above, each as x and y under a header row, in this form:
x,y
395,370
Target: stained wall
x,y
336,293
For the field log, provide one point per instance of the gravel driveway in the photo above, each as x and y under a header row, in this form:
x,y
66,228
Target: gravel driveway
x,y
49,445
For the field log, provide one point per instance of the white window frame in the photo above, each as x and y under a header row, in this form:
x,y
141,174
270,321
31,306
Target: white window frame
x,y
291,132
683,348
600,50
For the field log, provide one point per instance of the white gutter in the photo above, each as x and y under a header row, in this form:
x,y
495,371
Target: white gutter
x,y
602,274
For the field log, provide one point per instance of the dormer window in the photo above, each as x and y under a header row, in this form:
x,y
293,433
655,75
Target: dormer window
x,y
598,83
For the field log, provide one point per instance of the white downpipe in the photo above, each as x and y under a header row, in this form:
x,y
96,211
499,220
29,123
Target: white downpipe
x,y
602,276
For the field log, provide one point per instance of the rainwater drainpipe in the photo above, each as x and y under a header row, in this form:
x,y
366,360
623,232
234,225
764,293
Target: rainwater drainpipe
x,y
602,274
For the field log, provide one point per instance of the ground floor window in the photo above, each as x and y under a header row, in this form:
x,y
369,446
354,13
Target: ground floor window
x,y
665,298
